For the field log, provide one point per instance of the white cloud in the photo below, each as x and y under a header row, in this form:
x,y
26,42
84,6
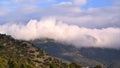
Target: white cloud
x,y
79,2
64,4
61,32
73,3
82,31
69,13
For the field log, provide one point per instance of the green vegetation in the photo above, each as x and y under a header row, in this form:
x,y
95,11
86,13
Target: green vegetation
x,y
3,63
98,66
22,54
52,66
74,65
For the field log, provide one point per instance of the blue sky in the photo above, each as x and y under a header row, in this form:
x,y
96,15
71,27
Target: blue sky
x,y
98,3
90,3
84,10
95,22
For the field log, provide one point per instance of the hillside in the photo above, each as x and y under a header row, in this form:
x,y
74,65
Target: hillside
x,y
85,56
22,54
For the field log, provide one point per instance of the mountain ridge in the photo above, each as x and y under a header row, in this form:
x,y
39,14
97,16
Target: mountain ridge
x,y
22,54
91,56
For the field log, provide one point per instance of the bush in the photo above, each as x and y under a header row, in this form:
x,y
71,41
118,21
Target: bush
x,y
98,66
12,64
74,65
2,65
52,66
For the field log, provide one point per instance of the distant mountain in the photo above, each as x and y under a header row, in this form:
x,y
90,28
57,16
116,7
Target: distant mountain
x,y
85,56
22,54
109,57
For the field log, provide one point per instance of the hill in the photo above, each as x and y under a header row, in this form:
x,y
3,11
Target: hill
x,y
86,56
22,54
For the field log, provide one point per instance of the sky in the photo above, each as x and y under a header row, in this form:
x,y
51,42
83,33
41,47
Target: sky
x,y
25,10
83,23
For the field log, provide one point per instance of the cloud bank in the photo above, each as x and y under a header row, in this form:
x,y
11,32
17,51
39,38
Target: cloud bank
x,y
69,11
62,32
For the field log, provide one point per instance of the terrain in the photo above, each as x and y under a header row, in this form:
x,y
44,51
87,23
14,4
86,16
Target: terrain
x,y
90,56
23,54
47,53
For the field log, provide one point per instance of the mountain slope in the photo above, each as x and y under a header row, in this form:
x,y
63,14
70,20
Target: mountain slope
x,y
85,56
65,52
110,57
22,54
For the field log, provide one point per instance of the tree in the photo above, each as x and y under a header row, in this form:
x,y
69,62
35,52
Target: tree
x,y
12,64
1,65
52,66
74,65
22,66
98,66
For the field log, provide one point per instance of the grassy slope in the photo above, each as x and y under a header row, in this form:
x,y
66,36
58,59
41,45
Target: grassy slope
x,y
22,54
